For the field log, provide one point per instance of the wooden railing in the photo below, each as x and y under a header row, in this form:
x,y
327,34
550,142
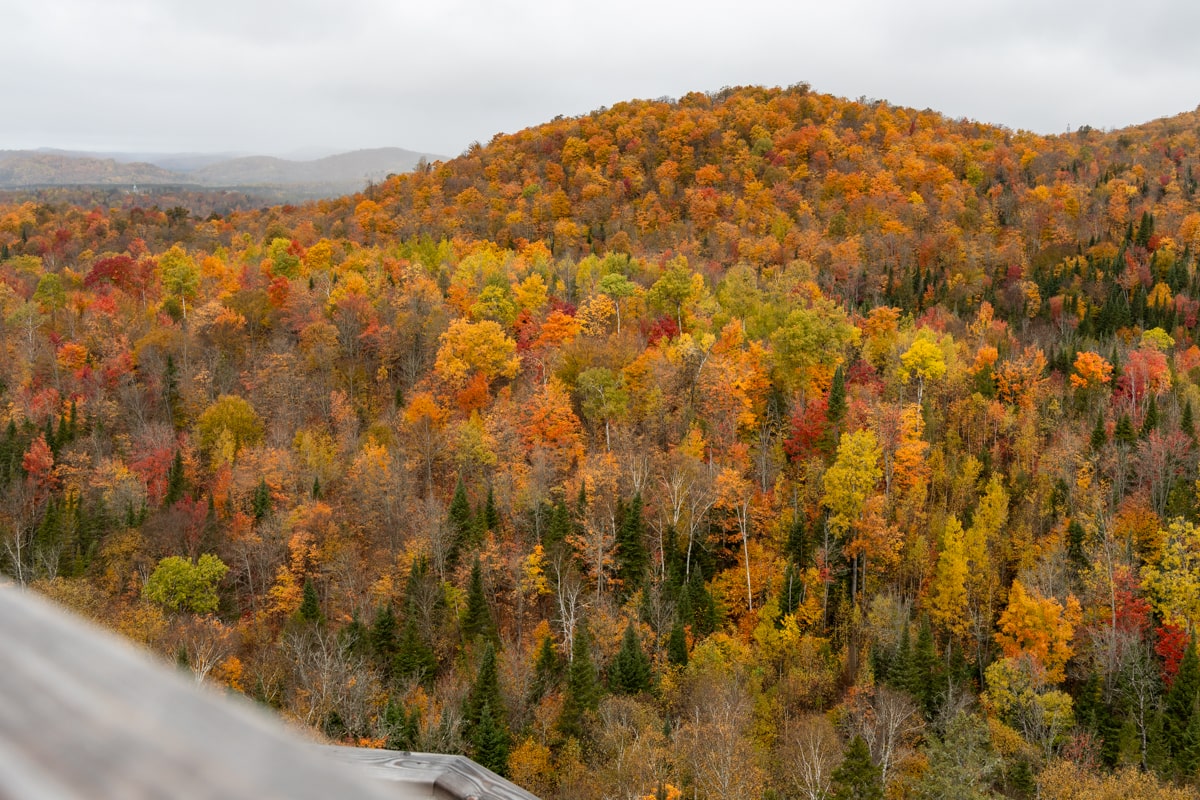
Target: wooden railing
x,y
85,715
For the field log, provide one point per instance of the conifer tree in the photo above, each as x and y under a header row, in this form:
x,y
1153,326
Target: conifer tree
x,y
402,728
632,559
1186,424
583,692
381,640
1123,434
1099,434
677,652
414,657
631,667
857,777
310,606
491,516
546,670
176,481
461,528
477,620
1075,550
1179,706
262,500
484,718
559,527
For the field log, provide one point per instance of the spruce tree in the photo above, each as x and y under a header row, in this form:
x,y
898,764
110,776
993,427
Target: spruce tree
x,y
262,500
632,559
559,527
477,620
1123,434
461,528
546,670
402,729
381,640
484,718
583,692
176,481
1075,549
1099,435
310,606
857,777
677,652
414,657
1179,705
1186,424
491,516
631,668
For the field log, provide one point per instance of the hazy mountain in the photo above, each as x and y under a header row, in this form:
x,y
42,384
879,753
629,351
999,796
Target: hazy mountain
x,y
331,175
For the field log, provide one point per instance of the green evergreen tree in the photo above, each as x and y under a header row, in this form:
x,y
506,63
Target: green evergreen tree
x,y
1186,424
402,729
316,488
836,408
559,527
857,777
632,558
176,481
1179,705
582,695
1099,435
921,678
414,656
382,642
491,516
1075,551
798,542
1123,434
677,650
631,668
310,606
484,718
491,742
262,500
477,620
461,524
546,670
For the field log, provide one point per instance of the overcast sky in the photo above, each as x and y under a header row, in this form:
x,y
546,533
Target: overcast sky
x,y
276,76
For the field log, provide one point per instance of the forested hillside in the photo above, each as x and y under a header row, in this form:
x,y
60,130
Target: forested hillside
x,y
756,444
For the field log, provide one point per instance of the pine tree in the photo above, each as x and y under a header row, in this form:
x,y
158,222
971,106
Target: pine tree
x,y
797,544
491,516
491,742
176,481
262,500
1186,423
857,777
484,718
461,528
631,667
402,728
559,527
677,652
632,559
414,657
1123,434
477,620
381,640
546,670
1179,706
1075,544
583,692
836,408
1099,435
310,606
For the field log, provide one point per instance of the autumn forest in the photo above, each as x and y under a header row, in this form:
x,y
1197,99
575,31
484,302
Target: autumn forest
x,y
758,443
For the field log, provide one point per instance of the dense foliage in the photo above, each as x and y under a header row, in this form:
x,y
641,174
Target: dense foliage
x,y
755,444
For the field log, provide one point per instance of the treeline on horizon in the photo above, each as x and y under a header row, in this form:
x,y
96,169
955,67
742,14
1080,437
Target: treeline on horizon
x,y
759,443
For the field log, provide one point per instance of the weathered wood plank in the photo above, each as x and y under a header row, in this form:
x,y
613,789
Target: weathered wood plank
x,y
449,777
85,715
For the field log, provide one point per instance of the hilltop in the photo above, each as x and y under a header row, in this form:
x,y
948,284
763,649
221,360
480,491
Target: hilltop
x,y
659,451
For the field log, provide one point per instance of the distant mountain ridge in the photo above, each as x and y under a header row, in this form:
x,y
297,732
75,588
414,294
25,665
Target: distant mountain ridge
x,y
332,175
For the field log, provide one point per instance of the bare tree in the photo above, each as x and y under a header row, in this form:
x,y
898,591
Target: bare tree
x,y
809,751
889,723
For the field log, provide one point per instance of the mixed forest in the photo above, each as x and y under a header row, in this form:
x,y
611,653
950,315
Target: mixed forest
x,y
757,443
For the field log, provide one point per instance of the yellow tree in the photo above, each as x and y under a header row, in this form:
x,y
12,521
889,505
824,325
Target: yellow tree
x,y
847,484
924,361
948,594
475,348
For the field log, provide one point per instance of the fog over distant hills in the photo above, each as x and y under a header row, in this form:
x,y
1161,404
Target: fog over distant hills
x,y
332,175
